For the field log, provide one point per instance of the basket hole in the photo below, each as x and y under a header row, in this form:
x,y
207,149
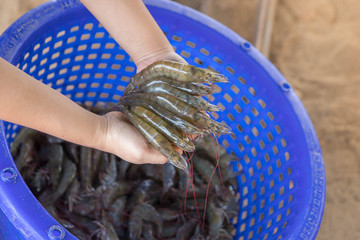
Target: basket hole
x,y
32,69
65,61
225,143
129,69
82,85
198,61
60,82
262,205
281,177
79,95
89,66
241,147
278,163
94,85
253,184
215,115
243,227
68,50
102,65
74,29
125,79
70,87
72,78
89,26
82,47
221,106
50,76
230,70
291,184
251,234
247,119
75,68
45,50
253,152
289,171
71,40
251,171
106,56
267,157
271,116
270,170
85,76
275,230
104,95
52,66
275,150
262,144
281,204
235,89
288,212
58,44
107,86
255,132
247,139
217,60
258,165
111,76
270,136
228,98
291,197
237,108
98,75
116,97
287,156
246,159
205,51
282,190
263,123
34,58
37,46
85,36
63,71
254,197
231,117
120,88
252,91
92,56
99,35
95,46
269,222
283,142
48,39
262,190
244,215
176,38
259,230
245,99
266,236
91,94
191,44
60,34
262,103
41,72
278,129
185,54
261,175
254,112
242,80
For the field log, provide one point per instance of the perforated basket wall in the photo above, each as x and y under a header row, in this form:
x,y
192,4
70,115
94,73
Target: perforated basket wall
x,y
282,187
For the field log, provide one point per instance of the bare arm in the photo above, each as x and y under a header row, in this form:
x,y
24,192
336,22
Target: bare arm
x,y
132,26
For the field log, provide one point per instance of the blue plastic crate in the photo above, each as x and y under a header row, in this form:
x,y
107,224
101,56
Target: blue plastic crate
x,y
282,185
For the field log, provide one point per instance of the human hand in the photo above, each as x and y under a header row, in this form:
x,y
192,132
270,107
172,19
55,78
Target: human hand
x,y
118,136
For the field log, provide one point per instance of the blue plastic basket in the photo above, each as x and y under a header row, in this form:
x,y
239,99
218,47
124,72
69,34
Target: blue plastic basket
x,y
282,187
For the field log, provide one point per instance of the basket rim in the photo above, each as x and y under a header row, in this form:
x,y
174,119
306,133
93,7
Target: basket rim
x,y
11,41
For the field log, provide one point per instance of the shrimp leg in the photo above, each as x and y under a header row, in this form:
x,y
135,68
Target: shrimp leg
x,y
165,128
157,140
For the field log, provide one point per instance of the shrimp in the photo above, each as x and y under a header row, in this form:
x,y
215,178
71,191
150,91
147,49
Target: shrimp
x,y
157,140
196,102
180,108
175,120
168,176
143,212
23,134
56,157
165,128
26,154
175,70
85,167
197,89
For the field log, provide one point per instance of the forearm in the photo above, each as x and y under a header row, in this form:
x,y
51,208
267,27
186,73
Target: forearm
x,y
28,102
132,26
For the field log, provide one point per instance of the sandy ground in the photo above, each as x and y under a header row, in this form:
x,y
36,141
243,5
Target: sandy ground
x,y
316,45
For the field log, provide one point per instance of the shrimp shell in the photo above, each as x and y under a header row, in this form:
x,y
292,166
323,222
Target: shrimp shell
x,y
196,102
178,122
158,141
164,128
180,71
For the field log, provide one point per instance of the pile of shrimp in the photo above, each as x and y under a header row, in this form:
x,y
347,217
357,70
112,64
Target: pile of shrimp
x,y
96,195
164,102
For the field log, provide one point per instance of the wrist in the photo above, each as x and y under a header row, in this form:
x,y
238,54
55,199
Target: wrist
x,y
159,55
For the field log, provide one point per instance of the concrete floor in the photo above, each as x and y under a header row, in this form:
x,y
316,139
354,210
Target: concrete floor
x,y
316,45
